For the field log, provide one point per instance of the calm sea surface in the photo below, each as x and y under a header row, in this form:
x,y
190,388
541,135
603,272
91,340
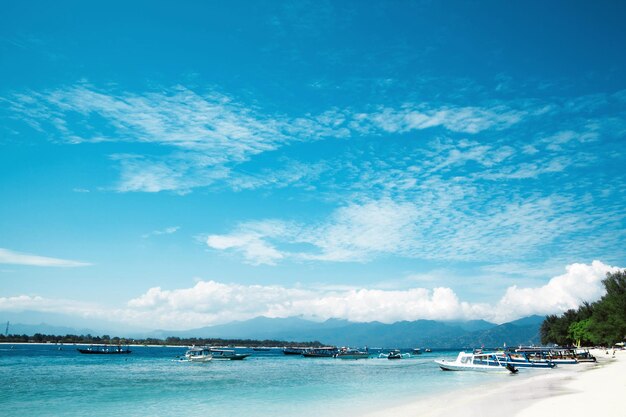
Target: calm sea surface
x,y
41,380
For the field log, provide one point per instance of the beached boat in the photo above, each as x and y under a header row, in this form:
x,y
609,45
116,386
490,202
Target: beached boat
x,y
560,356
228,355
199,355
483,362
347,353
104,350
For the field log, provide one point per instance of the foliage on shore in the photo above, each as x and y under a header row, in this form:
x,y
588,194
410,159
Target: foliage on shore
x,y
171,341
599,323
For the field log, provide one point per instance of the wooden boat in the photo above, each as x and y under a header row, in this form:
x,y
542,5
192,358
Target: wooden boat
x,y
104,350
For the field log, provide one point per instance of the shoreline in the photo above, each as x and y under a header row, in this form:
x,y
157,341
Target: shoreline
x,y
573,390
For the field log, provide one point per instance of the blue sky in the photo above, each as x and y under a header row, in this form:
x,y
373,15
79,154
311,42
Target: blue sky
x,y
190,163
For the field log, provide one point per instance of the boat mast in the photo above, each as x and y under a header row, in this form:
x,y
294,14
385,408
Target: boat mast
x,y
6,332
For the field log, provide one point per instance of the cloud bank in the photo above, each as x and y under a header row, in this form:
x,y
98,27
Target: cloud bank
x,y
211,302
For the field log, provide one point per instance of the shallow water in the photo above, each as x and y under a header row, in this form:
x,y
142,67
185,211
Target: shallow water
x,y
45,381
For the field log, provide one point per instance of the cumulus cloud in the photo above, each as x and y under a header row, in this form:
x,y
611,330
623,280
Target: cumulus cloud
x,y
211,302
580,283
19,258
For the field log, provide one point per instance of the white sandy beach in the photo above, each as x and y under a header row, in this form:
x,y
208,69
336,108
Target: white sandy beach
x,y
576,390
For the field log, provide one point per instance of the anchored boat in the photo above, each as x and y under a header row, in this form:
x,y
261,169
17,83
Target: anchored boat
x,y
199,355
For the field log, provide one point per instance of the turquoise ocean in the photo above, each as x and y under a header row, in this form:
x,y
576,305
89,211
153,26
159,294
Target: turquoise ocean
x,y
51,380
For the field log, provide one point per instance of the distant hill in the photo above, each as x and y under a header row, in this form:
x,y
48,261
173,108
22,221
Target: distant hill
x,y
418,333
426,333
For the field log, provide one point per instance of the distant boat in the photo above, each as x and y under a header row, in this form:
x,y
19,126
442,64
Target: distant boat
x,y
347,353
294,350
394,354
427,350
325,352
417,351
199,355
483,362
261,349
228,355
104,350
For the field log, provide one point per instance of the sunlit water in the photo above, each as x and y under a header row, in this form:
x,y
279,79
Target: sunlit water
x,y
41,380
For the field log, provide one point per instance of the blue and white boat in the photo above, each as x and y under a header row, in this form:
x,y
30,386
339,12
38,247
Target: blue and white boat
x,y
521,360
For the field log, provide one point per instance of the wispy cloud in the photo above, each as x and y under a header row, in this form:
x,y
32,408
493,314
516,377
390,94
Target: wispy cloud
x,y
19,258
208,134
167,231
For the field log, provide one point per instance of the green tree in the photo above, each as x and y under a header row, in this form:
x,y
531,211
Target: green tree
x,y
579,332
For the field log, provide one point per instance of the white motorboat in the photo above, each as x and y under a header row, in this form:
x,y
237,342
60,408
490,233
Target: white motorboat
x,y
199,355
484,362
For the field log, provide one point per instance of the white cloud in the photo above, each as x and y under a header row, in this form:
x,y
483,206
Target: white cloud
x,y
19,258
251,239
580,283
432,227
211,302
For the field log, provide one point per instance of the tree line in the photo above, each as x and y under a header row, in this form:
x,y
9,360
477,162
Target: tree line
x,y
600,323
172,341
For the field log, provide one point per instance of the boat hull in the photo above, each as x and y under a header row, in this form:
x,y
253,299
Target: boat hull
x,y
453,366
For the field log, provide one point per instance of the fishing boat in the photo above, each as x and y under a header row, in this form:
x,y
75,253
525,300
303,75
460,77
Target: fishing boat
x,y
228,355
347,353
104,350
199,355
483,362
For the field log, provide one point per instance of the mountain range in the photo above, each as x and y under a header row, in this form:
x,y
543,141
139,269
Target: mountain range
x,y
423,333
427,333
